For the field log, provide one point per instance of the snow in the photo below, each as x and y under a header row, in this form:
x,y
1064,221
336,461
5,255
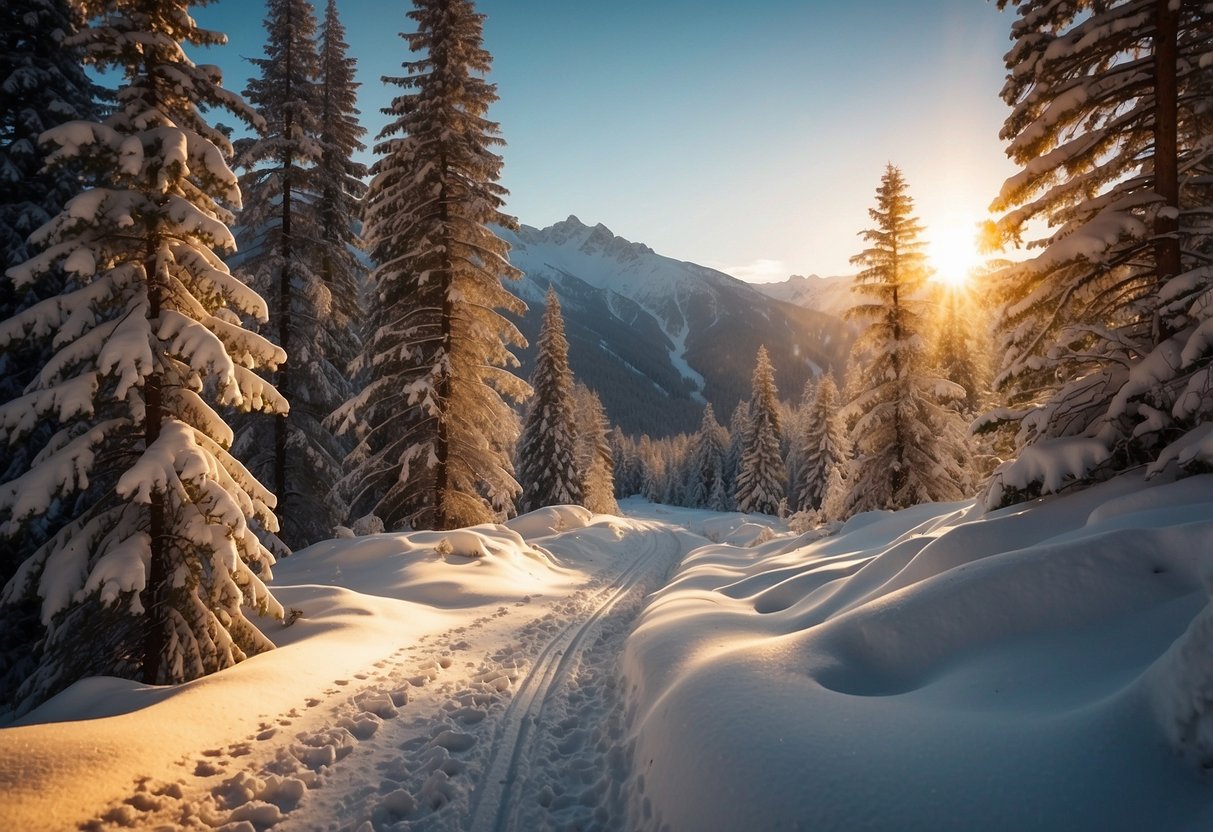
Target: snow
x,y
936,668
1039,666
1054,463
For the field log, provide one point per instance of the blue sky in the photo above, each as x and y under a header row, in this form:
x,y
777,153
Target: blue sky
x,y
746,137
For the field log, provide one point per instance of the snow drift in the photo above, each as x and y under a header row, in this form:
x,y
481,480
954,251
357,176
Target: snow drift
x,y
937,668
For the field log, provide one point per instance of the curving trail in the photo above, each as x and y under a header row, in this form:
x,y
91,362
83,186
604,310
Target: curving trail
x,y
511,720
511,774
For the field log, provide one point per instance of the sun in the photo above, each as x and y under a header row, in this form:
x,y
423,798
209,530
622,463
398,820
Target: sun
x,y
952,251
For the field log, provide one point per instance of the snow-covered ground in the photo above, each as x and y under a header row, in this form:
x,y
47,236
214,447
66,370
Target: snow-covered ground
x,y
936,669
930,669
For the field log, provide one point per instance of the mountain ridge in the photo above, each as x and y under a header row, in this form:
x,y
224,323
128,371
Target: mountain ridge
x,y
658,337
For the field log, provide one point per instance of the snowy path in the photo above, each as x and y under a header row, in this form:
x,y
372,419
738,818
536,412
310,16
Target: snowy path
x,y
499,723
509,775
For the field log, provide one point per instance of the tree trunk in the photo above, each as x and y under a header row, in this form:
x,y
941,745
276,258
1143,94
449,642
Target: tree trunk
x,y
1166,151
442,518
284,295
284,331
153,599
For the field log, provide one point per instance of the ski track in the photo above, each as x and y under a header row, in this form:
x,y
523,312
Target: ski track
x,y
531,737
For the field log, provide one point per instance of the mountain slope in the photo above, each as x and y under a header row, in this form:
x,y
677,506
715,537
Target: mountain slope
x,y
825,294
659,337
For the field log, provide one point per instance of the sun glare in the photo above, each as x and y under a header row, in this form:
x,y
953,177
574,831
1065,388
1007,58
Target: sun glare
x,y
952,250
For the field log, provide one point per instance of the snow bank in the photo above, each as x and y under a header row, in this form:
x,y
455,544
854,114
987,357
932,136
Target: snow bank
x,y
361,599
937,668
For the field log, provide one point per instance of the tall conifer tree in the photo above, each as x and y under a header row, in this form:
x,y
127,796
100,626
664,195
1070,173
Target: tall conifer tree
x,y
595,456
154,578
761,475
739,427
911,444
960,348
1106,333
548,466
434,432
282,238
44,85
339,180
824,448
706,488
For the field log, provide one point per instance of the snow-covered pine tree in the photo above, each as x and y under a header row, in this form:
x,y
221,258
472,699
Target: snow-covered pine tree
x,y
793,429
629,470
434,431
653,464
1106,334
595,456
677,470
960,347
339,181
824,448
911,444
739,428
42,85
548,467
279,235
155,579
761,475
706,487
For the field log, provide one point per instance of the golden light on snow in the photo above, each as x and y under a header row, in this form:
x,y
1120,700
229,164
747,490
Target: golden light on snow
x,y
952,250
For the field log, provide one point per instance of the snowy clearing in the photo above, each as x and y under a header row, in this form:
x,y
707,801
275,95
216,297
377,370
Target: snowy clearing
x,y
934,668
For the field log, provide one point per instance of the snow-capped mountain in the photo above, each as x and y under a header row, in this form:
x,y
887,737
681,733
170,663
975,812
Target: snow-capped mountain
x,y
658,337
825,294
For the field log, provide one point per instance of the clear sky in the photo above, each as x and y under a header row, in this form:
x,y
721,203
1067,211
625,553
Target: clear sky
x,y
748,137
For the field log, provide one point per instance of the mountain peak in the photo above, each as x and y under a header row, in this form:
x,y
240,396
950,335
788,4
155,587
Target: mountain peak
x,y
596,239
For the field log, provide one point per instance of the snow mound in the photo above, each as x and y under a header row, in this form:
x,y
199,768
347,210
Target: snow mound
x,y
939,667
737,529
551,520
427,567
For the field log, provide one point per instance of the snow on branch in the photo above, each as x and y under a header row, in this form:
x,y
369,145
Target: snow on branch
x,y
1053,463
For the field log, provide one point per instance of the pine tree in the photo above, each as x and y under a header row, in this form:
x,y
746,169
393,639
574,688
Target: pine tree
x,y
653,482
959,348
794,427
548,468
154,578
434,433
760,480
1105,334
739,428
595,456
706,487
911,443
676,474
44,85
279,231
339,180
629,471
824,448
